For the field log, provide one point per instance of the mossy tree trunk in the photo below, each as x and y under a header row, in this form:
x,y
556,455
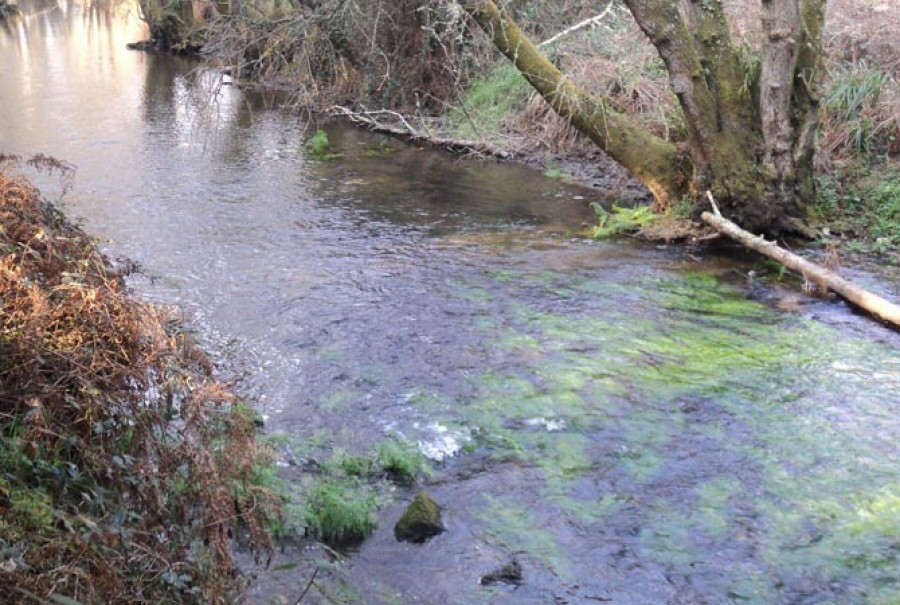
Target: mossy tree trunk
x,y
749,127
170,23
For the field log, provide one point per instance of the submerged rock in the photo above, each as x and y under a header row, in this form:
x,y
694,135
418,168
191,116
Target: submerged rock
x,y
511,573
421,521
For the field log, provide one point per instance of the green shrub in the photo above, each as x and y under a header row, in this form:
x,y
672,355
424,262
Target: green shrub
x,y
319,147
318,144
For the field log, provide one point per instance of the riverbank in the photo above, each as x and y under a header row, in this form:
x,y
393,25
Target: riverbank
x,y
126,471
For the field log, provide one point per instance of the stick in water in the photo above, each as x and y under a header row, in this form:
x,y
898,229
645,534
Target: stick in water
x,y
872,303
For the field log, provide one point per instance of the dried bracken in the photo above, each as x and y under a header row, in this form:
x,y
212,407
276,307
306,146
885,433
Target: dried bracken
x,y
124,469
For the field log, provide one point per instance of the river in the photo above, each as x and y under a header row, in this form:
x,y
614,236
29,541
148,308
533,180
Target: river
x,y
630,423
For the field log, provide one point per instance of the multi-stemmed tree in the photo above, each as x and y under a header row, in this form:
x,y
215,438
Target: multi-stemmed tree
x,y
750,122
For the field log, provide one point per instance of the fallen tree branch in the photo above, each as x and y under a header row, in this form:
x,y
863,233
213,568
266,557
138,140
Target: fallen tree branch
x,y
872,303
401,127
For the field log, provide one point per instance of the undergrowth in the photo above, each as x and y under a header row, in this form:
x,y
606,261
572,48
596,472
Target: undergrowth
x,y
490,100
863,205
621,220
124,469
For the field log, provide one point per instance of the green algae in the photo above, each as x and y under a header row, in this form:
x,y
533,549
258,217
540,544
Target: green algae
x,y
516,529
472,294
775,376
690,360
715,510
565,455
338,400
427,401
501,387
524,343
585,512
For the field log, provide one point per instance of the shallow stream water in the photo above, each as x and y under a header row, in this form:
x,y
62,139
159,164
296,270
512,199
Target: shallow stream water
x,y
631,423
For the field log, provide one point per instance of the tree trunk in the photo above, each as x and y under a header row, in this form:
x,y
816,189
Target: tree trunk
x,y
749,133
650,158
170,23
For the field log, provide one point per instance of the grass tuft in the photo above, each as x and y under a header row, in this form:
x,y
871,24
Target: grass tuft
x,y
340,512
402,461
490,101
859,112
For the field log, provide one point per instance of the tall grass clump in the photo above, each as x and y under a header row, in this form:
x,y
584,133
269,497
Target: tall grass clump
x,y
340,512
860,112
124,469
491,100
402,461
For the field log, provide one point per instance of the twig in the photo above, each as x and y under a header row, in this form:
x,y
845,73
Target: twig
x,y
712,201
592,21
308,586
405,130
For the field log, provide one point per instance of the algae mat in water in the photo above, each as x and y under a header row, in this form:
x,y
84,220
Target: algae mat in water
x,y
729,452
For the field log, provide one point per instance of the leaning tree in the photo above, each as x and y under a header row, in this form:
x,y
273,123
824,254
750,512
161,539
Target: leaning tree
x,y
750,123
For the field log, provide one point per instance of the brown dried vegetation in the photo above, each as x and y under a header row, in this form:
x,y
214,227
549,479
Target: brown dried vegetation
x,y
861,112
124,469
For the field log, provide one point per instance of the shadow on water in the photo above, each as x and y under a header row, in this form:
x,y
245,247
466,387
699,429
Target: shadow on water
x,y
629,423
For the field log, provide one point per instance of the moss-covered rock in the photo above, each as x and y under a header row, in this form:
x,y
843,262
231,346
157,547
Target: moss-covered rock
x,y
421,521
